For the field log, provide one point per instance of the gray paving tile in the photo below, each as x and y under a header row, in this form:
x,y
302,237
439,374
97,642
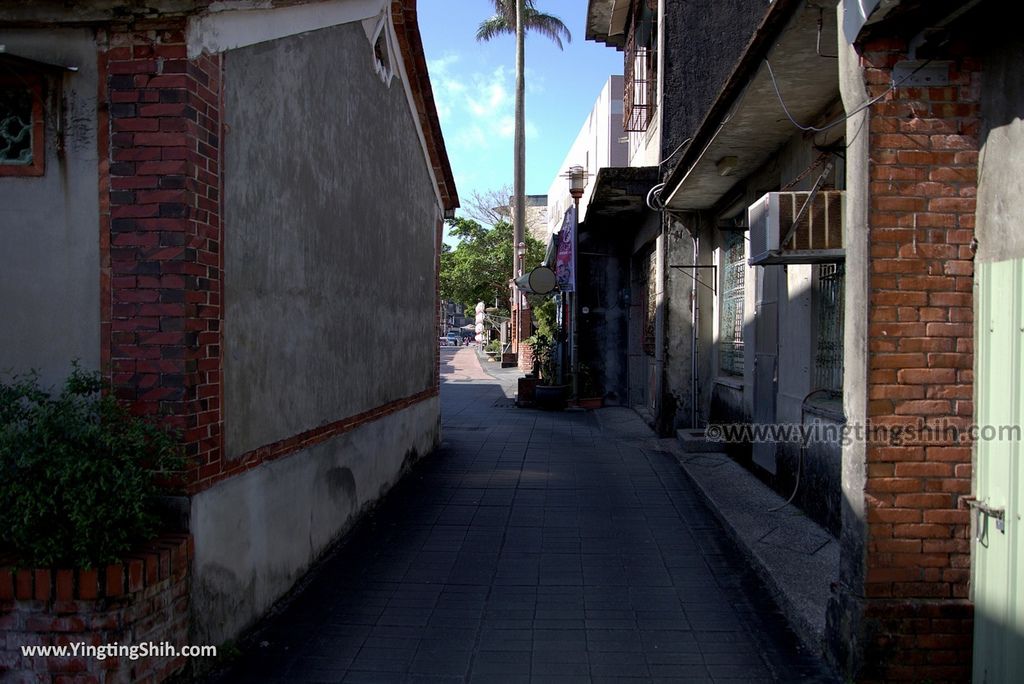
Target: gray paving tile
x,y
532,547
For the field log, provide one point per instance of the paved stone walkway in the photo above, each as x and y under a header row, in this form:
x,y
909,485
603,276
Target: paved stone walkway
x,y
534,547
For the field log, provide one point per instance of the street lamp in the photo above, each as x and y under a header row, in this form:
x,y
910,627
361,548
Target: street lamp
x,y
518,299
577,183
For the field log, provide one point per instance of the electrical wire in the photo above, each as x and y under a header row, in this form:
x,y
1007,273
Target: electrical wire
x,y
679,147
820,129
655,194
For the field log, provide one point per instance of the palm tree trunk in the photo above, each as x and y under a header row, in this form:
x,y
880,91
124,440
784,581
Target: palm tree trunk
x,y
520,128
519,166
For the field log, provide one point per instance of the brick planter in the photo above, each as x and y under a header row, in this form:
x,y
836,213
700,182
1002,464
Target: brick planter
x,y
143,599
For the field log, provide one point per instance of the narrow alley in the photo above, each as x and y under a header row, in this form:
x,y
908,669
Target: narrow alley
x,y
534,547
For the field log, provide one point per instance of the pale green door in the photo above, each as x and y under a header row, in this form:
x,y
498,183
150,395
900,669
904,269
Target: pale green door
x,y
998,579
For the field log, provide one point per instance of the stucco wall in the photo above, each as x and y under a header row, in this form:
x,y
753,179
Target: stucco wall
x,y
679,322
257,533
1001,163
50,282
330,239
703,40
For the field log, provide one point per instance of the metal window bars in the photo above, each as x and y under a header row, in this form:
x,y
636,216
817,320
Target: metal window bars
x,y
828,361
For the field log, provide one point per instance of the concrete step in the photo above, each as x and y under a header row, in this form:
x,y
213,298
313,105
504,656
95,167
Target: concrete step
x,y
694,441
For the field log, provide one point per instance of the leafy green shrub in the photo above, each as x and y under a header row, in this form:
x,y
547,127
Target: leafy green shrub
x,y
77,473
545,316
493,347
544,358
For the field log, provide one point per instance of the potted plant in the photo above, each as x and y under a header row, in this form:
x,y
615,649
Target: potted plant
x,y
493,350
591,392
548,393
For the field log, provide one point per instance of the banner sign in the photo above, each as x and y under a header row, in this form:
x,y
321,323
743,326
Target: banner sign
x,y
564,260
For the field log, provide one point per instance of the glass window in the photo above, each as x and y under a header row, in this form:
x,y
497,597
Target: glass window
x,y
730,322
21,128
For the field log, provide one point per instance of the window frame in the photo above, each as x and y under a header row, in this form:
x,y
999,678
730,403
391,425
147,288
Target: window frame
x,y
730,239
34,84
640,84
829,309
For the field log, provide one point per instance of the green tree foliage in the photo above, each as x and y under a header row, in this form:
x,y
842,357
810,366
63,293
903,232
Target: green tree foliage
x,y
504,22
477,269
77,473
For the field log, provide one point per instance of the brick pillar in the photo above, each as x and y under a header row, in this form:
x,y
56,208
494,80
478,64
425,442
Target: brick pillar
x,y
910,618
163,268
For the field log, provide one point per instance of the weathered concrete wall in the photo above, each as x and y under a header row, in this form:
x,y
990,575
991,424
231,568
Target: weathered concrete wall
x,y
330,220
257,533
679,336
50,282
703,40
844,614
1001,161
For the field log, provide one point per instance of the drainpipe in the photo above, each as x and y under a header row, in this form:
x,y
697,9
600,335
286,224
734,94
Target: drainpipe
x,y
661,321
695,323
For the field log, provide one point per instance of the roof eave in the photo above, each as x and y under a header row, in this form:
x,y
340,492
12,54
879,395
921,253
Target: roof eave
x,y
411,46
745,119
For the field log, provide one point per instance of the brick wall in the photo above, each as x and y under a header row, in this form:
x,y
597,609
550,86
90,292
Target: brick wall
x,y
923,179
144,599
526,357
160,203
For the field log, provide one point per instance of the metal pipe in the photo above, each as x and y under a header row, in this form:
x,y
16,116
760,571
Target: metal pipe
x,y
575,302
694,385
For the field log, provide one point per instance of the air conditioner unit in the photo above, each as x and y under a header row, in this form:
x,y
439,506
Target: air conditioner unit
x,y
816,238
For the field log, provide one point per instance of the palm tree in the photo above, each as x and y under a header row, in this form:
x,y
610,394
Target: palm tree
x,y
518,17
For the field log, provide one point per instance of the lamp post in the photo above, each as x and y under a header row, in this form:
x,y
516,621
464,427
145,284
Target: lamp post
x,y
577,183
517,322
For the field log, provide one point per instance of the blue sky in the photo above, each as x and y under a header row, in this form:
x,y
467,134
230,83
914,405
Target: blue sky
x,y
474,86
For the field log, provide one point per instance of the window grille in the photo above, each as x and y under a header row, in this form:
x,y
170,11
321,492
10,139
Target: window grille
x,y
21,125
734,265
828,362
640,87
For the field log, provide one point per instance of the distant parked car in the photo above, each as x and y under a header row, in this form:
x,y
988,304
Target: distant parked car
x,y
454,339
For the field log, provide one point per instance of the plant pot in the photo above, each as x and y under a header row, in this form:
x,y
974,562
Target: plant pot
x,y
551,397
590,402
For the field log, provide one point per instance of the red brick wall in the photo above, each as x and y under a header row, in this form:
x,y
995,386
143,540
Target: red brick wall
x,y
144,599
923,179
163,265
526,357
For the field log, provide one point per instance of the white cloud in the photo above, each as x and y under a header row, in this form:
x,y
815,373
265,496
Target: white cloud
x,y
476,107
448,89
